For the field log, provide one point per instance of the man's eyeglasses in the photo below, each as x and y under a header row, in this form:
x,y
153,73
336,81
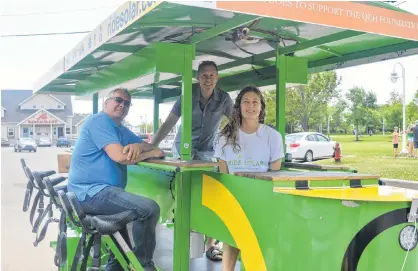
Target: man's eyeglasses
x,y
120,100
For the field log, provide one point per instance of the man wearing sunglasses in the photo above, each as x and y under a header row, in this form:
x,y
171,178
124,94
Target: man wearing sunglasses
x,y
209,106
98,174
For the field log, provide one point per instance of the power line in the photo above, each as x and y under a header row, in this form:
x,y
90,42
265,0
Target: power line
x,y
53,12
45,34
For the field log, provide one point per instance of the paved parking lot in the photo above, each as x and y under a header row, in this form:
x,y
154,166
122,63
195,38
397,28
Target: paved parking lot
x,y
17,250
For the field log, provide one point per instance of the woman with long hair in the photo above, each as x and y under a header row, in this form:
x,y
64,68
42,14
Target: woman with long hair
x,y
247,145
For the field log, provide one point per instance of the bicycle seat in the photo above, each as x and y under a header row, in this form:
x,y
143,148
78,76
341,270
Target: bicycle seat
x,y
103,224
109,224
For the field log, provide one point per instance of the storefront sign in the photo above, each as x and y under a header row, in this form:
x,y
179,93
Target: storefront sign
x,y
342,14
43,118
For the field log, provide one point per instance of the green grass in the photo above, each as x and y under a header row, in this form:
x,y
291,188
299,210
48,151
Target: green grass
x,y
374,155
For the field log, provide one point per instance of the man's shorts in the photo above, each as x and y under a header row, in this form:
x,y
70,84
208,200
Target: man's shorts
x,y
395,146
416,144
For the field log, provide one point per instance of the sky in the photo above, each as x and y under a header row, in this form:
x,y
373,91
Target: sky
x,y
23,60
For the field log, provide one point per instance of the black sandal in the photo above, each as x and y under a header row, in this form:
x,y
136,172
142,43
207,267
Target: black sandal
x,y
214,254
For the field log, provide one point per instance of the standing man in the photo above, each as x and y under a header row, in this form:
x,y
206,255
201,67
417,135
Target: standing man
x,y
98,174
209,105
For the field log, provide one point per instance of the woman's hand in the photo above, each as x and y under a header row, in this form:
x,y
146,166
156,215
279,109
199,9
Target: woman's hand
x,y
276,165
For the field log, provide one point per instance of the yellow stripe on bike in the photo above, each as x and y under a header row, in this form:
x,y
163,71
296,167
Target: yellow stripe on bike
x,y
220,200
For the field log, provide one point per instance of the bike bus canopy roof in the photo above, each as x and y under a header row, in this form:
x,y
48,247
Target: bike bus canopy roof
x,y
131,47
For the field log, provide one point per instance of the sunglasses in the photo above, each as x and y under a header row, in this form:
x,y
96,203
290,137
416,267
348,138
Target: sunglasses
x,y
120,100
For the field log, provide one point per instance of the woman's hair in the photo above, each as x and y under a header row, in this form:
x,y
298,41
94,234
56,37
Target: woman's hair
x,y
230,131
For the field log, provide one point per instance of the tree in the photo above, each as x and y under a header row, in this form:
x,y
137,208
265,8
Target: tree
x,y
338,116
291,117
392,110
412,110
357,98
306,105
146,127
394,98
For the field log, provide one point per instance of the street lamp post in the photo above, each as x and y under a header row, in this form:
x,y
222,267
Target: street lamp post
x,y
394,77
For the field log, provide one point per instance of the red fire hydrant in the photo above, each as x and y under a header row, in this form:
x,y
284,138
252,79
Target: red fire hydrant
x,y
337,152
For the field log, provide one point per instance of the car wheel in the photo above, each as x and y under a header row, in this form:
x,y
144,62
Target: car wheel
x,y
34,150
309,156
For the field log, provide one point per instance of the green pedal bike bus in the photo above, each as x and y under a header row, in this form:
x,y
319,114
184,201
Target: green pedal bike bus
x,y
303,217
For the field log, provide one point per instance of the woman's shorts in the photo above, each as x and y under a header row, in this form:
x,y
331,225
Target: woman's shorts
x,y
395,146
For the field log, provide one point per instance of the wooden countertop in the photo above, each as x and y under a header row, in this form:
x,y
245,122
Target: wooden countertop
x,y
313,166
305,176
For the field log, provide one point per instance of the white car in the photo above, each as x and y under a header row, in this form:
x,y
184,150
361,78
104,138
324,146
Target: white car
x,y
309,146
167,142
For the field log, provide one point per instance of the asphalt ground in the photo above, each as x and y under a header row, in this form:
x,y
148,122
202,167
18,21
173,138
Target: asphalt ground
x,y
17,250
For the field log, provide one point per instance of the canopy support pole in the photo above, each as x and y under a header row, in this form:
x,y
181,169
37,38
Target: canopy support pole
x,y
95,103
186,110
157,99
178,58
280,93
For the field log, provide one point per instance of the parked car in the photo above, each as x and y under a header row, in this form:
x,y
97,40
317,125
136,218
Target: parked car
x,y
44,142
145,137
309,146
25,144
63,142
5,142
167,142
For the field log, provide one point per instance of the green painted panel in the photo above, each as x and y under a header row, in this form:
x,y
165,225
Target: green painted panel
x,y
154,184
389,239
171,57
296,70
303,233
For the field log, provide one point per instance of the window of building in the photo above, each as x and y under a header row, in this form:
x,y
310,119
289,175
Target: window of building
x,y
59,106
42,106
55,131
10,132
67,131
34,106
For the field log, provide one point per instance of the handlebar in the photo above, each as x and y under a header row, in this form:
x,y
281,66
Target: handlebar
x,y
57,180
47,173
26,200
